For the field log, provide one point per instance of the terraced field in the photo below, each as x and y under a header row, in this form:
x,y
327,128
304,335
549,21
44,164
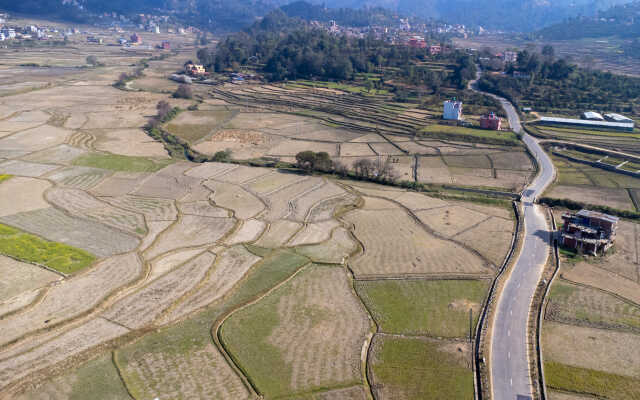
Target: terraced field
x,y
126,274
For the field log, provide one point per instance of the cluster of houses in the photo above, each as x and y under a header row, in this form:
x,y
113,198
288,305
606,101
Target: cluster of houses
x,y
27,32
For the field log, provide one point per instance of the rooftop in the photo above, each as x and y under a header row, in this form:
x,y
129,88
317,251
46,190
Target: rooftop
x,y
587,122
598,215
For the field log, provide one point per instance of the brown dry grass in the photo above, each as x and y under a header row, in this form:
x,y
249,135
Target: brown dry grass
x,y
395,244
611,197
73,296
22,194
598,349
591,275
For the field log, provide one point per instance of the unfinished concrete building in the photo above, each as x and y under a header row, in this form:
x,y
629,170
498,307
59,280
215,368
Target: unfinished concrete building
x,y
589,232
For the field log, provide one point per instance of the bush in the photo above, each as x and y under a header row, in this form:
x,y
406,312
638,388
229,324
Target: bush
x,y
183,92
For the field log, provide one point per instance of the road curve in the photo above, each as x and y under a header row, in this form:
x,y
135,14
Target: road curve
x,y
509,364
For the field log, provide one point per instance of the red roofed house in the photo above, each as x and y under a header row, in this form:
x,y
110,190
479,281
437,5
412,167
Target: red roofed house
x,y
491,121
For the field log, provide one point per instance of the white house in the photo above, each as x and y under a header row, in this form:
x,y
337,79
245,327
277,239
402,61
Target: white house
x,y
452,110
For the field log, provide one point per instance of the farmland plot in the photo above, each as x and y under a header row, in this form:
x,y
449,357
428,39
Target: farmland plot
x,y
166,186
58,349
18,277
414,368
79,177
203,209
119,184
303,204
73,296
332,251
61,154
210,170
452,220
191,231
278,233
56,226
491,238
154,209
142,307
242,174
274,181
281,203
596,349
97,379
164,264
35,139
585,306
250,230
244,204
20,194
18,302
314,233
591,275
306,335
24,168
230,267
325,209
395,244
80,203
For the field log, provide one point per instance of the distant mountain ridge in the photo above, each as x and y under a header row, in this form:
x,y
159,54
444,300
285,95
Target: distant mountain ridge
x,y
512,15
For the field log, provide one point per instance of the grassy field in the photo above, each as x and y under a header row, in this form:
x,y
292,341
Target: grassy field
x,y
30,248
303,337
507,137
97,379
591,382
434,308
420,369
116,162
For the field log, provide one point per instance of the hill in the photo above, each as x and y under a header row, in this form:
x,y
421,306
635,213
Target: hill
x,y
622,21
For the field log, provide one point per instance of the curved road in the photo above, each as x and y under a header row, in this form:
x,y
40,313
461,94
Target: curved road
x,y
509,364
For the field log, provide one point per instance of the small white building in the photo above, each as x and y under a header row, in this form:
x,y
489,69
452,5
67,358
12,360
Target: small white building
x,y
452,110
2,37
9,33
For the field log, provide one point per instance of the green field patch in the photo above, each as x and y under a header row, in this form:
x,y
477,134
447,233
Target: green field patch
x,y
58,256
305,336
592,382
4,177
189,132
97,379
436,308
421,369
116,162
508,138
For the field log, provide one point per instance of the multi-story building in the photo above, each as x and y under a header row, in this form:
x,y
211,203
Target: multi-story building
x,y
452,110
491,121
510,56
589,232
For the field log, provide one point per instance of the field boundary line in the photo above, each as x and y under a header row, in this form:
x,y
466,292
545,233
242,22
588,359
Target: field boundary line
x,y
219,342
37,300
116,365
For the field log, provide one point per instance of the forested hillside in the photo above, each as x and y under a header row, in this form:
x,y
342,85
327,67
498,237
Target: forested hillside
x,y
621,21
288,48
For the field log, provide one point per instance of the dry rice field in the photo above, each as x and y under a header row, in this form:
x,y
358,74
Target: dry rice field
x,y
262,259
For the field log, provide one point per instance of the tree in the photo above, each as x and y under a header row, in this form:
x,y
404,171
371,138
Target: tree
x,y
548,52
183,92
164,108
92,60
306,160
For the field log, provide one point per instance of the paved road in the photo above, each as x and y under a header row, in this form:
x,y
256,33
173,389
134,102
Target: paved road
x,y
509,363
